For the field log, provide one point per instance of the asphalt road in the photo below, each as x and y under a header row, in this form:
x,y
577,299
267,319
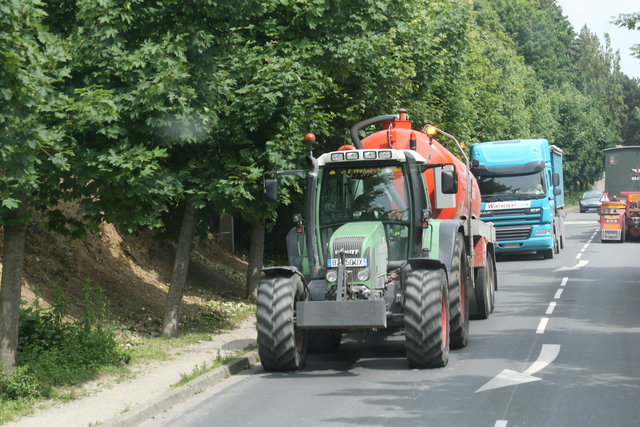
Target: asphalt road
x,y
561,349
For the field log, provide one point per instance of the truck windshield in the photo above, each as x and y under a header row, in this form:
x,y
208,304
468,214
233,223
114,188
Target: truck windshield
x,y
512,187
372,193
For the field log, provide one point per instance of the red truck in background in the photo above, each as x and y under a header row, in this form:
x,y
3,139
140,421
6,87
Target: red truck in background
x,y
620,208
619,217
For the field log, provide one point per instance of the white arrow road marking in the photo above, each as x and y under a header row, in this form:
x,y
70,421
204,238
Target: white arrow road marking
x,y
580,264
508,377
548,354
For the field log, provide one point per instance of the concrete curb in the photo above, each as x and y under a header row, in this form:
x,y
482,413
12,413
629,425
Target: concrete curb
x,y
160,404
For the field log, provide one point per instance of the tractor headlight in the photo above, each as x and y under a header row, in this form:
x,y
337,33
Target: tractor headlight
x,y
363,274
332,276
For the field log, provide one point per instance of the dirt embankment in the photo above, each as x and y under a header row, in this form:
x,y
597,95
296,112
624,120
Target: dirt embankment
x,y
132,271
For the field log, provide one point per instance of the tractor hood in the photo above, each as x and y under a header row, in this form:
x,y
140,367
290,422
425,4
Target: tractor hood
x,y
365,247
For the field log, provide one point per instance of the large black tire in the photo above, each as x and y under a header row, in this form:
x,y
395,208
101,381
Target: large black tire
x,y
281,346
458,301
324,340
426,318
547,253
485,288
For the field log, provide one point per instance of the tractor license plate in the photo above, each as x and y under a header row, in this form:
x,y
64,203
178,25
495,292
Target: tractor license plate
x,y
348,262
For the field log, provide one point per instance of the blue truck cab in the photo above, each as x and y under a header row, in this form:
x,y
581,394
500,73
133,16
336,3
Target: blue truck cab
x,y
522,194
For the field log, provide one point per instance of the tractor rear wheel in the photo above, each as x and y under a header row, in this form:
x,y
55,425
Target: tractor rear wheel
x,y
426,318
458,301
281,345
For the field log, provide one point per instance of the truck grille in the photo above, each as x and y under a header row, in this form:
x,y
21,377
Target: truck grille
x,y
351,245
513,233
504,212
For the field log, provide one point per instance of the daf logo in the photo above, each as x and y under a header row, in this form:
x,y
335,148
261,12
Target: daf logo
x,y
349,252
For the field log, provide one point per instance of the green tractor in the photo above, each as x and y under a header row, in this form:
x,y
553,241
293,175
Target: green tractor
x,y
373,251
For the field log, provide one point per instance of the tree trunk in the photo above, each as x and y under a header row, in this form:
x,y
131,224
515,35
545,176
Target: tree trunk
x,y
10,289
179,274
256,259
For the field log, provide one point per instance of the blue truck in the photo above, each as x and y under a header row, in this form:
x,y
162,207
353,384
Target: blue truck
x,y
522,194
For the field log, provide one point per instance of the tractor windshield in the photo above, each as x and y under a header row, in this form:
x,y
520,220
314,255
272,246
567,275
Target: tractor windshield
x,y
372,193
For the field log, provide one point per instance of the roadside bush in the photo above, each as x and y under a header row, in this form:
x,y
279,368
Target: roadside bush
x,y
21,385
53,352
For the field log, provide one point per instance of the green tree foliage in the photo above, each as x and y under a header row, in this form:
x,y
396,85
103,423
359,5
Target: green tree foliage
x,y
567,63
583,132
499,94
159,63
630,128
32,150
599,69
631,118
35,148
542,36
632,22
137,53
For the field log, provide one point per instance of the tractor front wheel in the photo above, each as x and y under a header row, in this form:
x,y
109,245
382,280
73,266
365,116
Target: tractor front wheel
x,y
281,345
426,318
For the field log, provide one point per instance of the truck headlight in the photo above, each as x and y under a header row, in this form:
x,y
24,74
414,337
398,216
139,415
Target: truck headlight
x,y
363,274
543,232
332,276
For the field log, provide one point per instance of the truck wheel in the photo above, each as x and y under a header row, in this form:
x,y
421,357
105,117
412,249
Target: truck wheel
x,y
281,346
426,318
324,340
485,289
458,301
547,253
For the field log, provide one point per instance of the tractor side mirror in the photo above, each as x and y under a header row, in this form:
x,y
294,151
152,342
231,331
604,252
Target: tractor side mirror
x,y
270,190
449,182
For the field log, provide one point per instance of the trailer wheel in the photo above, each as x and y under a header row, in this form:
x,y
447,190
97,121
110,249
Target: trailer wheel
x,y
324,340
281,346
493,280
485,289
426,318
458,301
